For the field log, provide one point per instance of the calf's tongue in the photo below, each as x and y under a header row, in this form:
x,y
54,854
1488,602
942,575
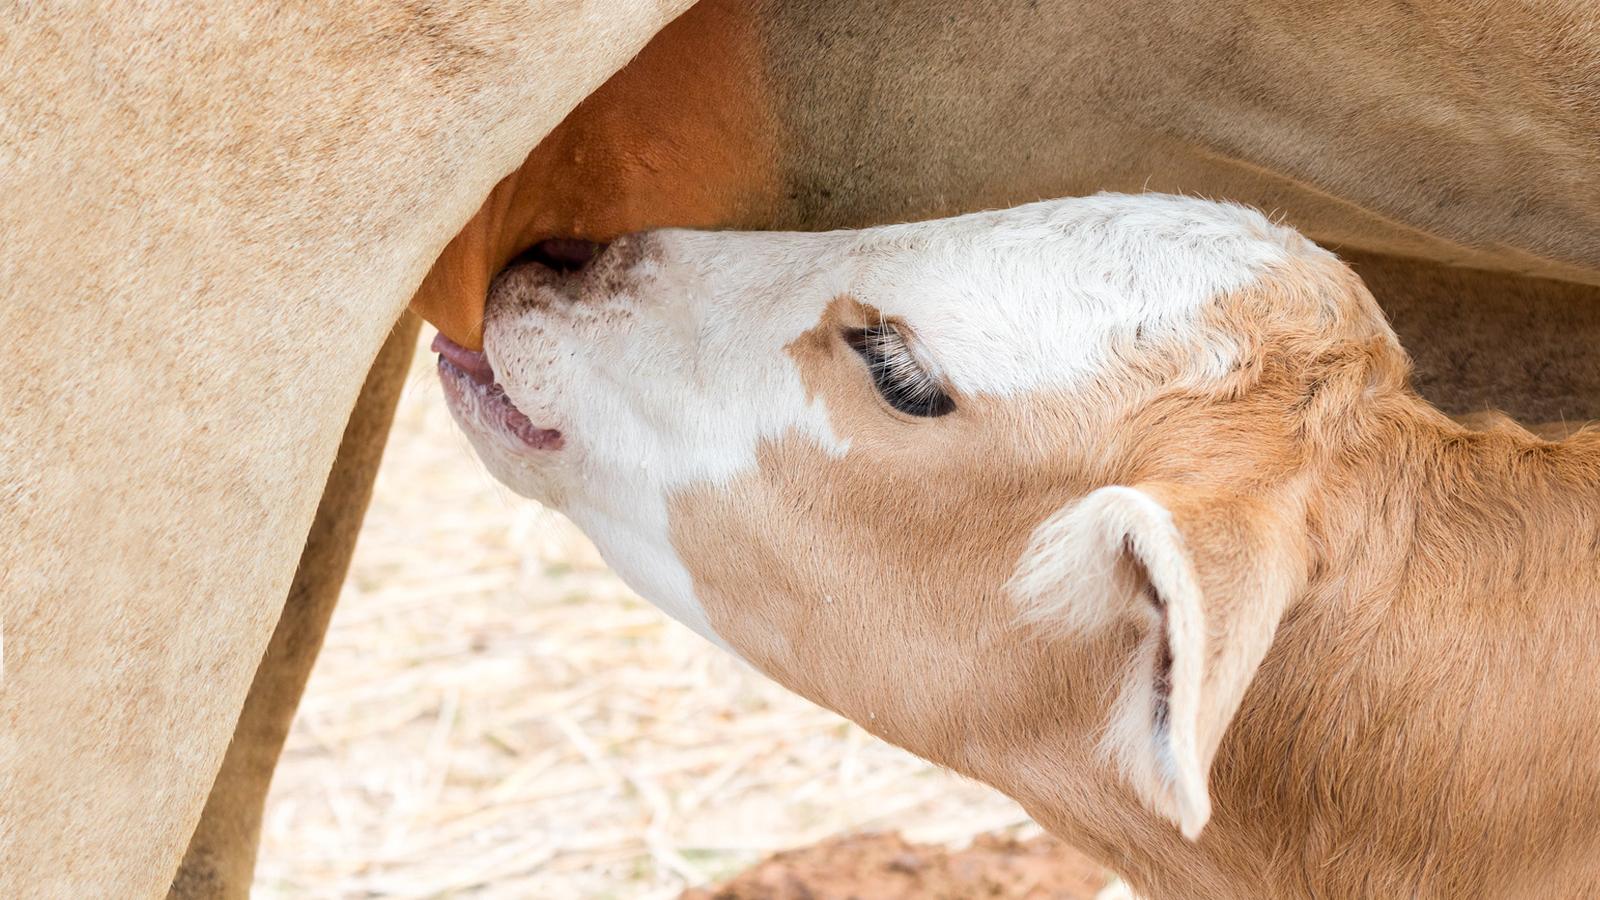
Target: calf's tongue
x,y
472,362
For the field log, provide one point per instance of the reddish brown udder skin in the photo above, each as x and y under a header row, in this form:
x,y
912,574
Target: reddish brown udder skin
x,y
651,148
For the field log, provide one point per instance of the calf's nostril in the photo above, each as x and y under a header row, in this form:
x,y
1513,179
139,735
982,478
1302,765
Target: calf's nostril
x,y
561,254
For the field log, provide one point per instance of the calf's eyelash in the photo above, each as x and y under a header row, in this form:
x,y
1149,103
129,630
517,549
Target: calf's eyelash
x,y
902,381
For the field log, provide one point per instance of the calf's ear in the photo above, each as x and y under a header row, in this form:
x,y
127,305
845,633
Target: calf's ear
x,y
1205,575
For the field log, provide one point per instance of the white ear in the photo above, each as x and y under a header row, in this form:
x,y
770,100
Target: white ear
x,y
1208,576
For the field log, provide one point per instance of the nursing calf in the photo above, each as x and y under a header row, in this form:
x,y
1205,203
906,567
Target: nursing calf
x,y
1121,504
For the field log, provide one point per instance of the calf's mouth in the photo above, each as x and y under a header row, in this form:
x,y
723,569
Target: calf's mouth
x,y
468,379
564,255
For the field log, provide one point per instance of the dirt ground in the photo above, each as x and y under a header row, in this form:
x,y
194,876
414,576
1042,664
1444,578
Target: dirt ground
x,y
887,867
496,715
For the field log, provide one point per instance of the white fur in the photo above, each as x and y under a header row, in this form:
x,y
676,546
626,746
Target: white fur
x,y
681,396
1068,580
1040,296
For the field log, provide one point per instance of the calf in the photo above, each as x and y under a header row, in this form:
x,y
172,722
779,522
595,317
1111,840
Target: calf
x,y
1121,504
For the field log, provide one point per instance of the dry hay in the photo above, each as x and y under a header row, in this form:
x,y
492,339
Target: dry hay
x,y
494,714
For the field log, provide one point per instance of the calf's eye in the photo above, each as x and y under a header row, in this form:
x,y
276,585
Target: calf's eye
x,y
904,383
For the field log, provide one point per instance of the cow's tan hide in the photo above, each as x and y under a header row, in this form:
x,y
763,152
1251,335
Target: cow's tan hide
x,y
220,861
212,219
1455,132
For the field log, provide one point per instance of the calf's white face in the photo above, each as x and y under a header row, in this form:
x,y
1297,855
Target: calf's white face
x,y
1007,489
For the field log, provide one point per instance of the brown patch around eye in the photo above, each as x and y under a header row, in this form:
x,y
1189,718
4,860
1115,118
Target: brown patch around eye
x,y
842,312
834,367
819,353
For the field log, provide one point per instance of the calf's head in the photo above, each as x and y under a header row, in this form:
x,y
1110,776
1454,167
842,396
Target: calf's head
x,y
1025,492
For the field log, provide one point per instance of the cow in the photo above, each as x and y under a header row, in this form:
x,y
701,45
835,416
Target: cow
x,y
1121,504
213,220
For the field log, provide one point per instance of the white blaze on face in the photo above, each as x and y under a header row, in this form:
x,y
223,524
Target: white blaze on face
x,y
671,376
1041,296
664,366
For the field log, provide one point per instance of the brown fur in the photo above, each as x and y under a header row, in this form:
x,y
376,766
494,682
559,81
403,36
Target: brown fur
x,y
1456,132
1412,730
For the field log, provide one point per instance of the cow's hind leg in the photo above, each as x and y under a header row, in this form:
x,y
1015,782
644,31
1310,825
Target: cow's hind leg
x,y
220,861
